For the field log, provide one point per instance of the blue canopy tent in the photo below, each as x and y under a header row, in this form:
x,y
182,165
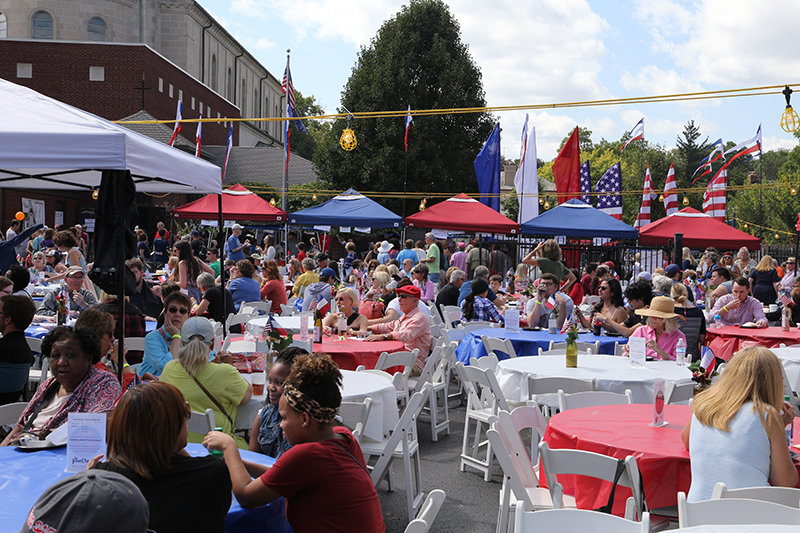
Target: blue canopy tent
x,y
576,219
347,209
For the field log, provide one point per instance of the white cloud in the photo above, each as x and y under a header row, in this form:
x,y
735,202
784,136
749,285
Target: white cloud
x,y
777,143
652,80
264,44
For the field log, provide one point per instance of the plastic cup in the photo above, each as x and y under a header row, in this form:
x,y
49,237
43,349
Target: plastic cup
x,y
259,379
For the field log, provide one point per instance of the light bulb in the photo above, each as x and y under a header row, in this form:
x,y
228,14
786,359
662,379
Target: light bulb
x,y
685,200
793,191
422,205
541,200
745,226
314,197
661,198
789,120
95,194
777,236
547,204
272,202
348,140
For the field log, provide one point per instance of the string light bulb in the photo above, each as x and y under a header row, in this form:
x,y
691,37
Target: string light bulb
x,y
685,200
272,202
790,122
547,204
422,204
348,140
777,236
314,197
745,226
95,194
661,198
793,191
541,200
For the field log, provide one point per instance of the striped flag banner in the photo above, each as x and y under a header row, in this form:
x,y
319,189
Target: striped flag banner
x,y
670,192
647,199
714,199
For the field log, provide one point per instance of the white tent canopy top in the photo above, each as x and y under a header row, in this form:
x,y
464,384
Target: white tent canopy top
x,y
47,144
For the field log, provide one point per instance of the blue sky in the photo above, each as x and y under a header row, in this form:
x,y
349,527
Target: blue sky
x,y
545,51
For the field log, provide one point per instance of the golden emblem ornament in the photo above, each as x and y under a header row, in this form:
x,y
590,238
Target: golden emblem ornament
x,y
348,140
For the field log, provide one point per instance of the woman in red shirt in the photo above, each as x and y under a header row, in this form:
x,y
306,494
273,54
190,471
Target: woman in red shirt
x,y
273,288
323,478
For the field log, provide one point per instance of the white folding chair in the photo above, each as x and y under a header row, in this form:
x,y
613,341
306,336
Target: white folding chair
x,y
519,467
542,389
256,308
238,346
788,390
35,344
583,463
427,513
679,392
618,348
576,520
355,415
10,413
402,444
201,423
494,345
484,399
436,373
489,362
452,335
403,358
237,319
788,496
451,314
469,327
592,399
589,347
734,511
134,344
288,310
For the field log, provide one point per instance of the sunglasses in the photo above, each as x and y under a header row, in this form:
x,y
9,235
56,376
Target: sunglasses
x,y
174,310
603,288
404,296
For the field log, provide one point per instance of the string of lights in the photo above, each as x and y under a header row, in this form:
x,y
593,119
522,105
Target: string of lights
x,y
746,225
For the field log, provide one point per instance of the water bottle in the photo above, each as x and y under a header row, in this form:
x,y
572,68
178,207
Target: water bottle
x,y
717,321
786,318
789,428
680,352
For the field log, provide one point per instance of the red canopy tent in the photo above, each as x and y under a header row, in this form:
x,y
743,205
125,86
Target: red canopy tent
x,y
238,203
462,213
699,230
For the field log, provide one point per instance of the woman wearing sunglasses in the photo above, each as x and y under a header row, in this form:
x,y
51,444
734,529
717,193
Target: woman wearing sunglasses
x,y
610,307
161,346
346,300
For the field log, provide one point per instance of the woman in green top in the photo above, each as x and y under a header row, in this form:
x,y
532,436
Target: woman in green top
x,y
547,256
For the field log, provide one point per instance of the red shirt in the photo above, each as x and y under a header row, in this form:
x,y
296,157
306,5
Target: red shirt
x,y
325,489
576,293
301,256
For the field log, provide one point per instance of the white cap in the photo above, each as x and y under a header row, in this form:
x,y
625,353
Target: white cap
x,y
197,325
237,226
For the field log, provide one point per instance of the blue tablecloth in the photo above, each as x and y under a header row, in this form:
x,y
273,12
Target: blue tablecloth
x,y
39,332
526,342
24,476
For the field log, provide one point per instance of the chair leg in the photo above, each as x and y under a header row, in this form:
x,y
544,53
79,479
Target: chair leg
x,y
465,443
503,511
432,403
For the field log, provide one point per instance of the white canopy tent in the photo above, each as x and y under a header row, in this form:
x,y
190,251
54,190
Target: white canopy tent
x,y
47,144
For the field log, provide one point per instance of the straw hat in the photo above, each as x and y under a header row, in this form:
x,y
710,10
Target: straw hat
x,y
661,307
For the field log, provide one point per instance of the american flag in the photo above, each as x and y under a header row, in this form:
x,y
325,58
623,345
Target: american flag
x,y
785,299
586,183
636,133
714,200
611,184
177,128
647,198
569,321
670,194
291,104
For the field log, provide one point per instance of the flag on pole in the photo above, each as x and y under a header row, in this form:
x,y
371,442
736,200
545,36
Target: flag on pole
x,y
670,192
635,134
786,300
707,359
567,169
487,170
610,184
408,125
291,104
198,138
714,200
551,302
178,117
716,154
227,152
586,183
647,199
526,180
755,149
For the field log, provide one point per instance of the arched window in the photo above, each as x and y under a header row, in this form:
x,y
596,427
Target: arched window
x,y
213,72
42,26
3,26
96,29
229,85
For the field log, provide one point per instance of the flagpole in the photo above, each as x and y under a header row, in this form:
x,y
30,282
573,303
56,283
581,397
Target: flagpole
x,y
286,149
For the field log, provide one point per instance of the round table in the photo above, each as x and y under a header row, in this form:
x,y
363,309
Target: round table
x,y
24,476
611,373
351,353
740,528
356,386
727,340
619,431
527,342
289,323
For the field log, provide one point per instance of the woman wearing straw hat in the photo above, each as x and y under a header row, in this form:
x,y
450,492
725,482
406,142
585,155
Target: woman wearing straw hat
x,y
661,331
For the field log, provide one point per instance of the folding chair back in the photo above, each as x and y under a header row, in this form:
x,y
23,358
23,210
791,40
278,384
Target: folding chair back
x,y
576,520
10,413
592,399
237,319
256,308
494,345
469,327
427,513
489,362
450,314
788,496
679,392
587,347
354,416
201,423
452,335
734,511
288,310
403,358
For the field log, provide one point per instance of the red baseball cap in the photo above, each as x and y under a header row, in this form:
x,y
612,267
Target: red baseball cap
x,y
411,290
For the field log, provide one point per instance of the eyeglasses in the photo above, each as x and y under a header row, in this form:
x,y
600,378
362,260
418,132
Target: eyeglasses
x,y
8,290
76,276
182,310
404,296
602,288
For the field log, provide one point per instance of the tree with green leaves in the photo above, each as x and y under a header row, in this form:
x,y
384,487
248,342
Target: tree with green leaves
x,y
690,154
417,58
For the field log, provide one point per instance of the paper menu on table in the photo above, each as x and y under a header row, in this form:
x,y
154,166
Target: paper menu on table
x,y
86,439
636,350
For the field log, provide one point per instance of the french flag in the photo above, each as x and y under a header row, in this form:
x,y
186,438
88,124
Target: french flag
x,y
198,137
408,125
707,360
178,118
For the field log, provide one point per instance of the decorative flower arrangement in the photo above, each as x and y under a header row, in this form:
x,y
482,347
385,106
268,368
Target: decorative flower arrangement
x,y
572,334
700,375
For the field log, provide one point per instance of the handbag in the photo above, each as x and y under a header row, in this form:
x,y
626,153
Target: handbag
x,y
617,474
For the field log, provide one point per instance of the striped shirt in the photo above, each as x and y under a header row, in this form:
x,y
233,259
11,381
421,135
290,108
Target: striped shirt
x,y
751,310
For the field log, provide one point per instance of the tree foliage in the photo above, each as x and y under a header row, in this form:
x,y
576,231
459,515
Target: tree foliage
x,y
690,153
417,58
305,145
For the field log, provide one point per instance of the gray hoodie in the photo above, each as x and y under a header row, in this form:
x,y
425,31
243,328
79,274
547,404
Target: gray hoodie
x,y
317,291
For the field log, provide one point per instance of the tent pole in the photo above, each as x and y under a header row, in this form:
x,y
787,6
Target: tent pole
x,y
122,213
224,256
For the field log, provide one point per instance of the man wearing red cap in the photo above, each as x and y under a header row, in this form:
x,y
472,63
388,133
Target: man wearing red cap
x,y
413,329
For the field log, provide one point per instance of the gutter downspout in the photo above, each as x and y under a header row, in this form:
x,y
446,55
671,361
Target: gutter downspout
x,y
203,53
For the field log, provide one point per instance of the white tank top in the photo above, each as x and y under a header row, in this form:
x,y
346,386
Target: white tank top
x,y
739,457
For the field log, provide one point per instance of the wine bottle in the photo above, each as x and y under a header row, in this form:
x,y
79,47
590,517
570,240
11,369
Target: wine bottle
x,y
317,325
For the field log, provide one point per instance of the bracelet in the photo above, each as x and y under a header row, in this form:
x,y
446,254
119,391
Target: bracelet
x,y
176,336
539,303
725,308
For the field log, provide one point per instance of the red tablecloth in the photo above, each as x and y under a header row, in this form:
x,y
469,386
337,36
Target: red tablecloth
x,y
349,354
622,430
728,340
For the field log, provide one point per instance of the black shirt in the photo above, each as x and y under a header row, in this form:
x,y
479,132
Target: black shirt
x,y
146,301
214,297
194,495
447,296
14,349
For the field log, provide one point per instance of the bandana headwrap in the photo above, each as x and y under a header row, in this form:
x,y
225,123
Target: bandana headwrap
x,y
304,404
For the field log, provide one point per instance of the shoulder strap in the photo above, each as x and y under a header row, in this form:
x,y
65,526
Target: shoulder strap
x,y
351,455
617,474
210,397
49,395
